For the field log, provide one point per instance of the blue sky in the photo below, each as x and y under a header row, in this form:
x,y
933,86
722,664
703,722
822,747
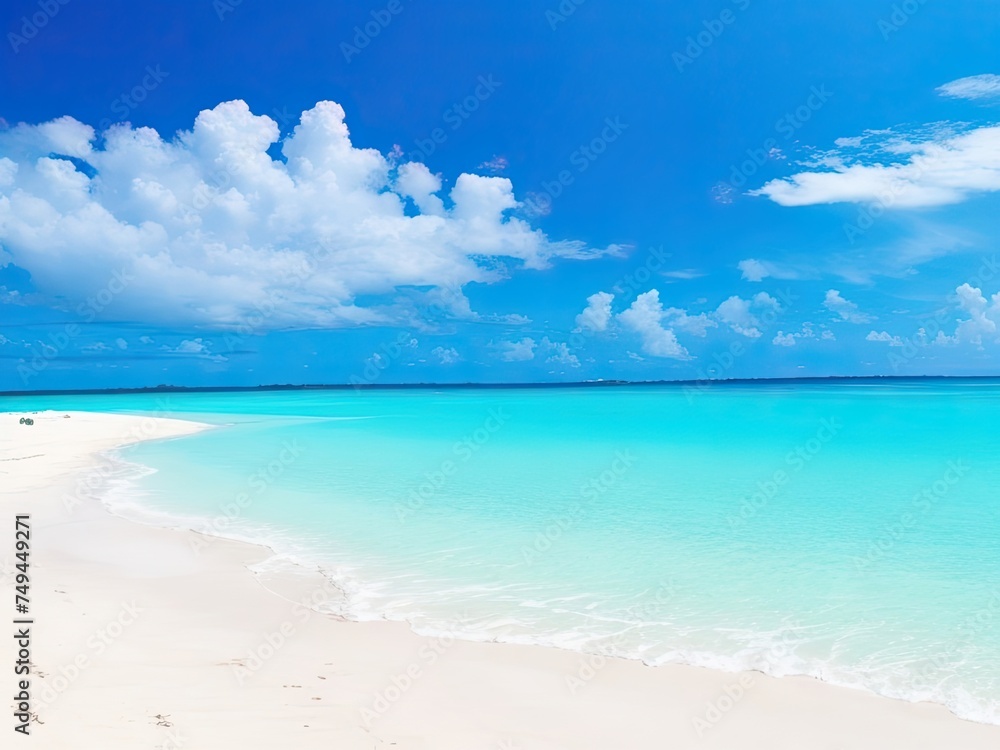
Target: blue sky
x,y
238,193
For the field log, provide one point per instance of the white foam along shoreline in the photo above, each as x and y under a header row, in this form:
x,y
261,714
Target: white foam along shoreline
x,y
200,640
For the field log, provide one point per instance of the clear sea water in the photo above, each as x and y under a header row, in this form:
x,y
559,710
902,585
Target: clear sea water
x,y
848,530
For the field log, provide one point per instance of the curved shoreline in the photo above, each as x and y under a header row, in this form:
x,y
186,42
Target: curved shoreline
x,y
575,702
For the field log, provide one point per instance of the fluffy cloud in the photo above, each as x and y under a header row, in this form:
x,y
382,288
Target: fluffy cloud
x,y
758,270
122,343
944,169
790,339
447,356
942,339
885,337
597,313
845,309
685,274
495,165
416,182
195,346
645,317
208,228
753,270
198,347
559,353
511,319
696,325
738,313
517,351
986,86
984,315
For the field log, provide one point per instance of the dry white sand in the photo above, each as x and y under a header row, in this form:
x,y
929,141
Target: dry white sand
x,y
150,637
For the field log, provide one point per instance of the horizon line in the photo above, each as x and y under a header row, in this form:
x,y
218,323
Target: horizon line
x,y
700,383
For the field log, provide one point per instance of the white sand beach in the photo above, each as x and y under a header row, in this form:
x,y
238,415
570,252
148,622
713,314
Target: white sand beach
x,y
149,637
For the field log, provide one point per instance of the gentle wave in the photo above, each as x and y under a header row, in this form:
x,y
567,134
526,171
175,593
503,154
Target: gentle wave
x,y
570,622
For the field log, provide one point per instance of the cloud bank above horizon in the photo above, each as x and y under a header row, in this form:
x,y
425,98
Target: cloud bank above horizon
x,y
210,228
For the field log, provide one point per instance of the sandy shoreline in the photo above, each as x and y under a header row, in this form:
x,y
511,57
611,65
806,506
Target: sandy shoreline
x,y
151,637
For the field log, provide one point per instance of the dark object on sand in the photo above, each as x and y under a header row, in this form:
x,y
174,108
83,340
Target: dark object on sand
x,y
27,420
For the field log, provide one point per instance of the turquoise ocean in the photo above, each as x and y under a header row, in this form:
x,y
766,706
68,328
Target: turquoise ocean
x,y
847,530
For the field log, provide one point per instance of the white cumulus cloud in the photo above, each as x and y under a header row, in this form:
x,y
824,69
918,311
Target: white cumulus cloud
x,y
559,353
790,339
208,228
984,315
739,315
696,325
645,317
845,309
986,86
758,270
885,337
447,356
753,269
597,313
945,169
517,351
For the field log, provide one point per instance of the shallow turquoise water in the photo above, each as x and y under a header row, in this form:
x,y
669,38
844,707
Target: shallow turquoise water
x,y
849,531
